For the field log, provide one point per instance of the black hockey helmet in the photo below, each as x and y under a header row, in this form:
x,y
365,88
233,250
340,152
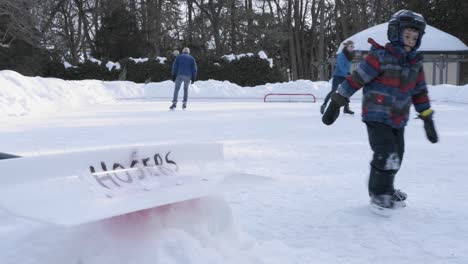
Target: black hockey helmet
x,y
405,19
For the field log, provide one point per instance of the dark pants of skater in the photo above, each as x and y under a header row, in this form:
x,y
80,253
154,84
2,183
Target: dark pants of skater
x,y
388,145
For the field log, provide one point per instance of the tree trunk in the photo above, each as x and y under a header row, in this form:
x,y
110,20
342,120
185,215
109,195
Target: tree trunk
x,y
321,48
292,48
250,38
157,33
233,27
154,8
297,40
190,21
86,27
342,19
213,13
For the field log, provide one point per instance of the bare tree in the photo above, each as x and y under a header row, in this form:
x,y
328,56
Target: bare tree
x,y
154,18
17,22
212,10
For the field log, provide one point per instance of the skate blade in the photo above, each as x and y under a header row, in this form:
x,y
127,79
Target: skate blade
x,y
399,205
380,211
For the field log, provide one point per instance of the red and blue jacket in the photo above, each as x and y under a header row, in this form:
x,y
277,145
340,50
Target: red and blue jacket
x,y
393,79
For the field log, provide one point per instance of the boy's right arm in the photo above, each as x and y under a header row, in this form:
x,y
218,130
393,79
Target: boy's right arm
x,y
367,70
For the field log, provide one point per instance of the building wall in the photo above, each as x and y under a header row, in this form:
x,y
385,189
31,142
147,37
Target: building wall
x,y
464,73
442,72
438,68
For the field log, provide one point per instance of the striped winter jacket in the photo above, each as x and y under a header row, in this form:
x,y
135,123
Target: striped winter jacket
x,y
392,80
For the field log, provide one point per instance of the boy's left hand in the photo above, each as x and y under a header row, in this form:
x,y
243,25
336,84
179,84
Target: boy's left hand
x,y
429,127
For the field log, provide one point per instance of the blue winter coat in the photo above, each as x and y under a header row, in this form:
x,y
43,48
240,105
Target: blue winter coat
x,y
186,65
342,65
393,80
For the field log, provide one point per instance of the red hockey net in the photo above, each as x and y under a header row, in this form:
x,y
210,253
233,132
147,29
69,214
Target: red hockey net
x,y
290,97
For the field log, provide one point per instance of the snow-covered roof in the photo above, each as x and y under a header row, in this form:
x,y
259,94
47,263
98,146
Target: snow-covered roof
x,y
433,40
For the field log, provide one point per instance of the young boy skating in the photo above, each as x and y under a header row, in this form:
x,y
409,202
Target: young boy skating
x,y
393,79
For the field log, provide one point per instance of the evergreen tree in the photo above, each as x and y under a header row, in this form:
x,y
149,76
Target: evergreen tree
x,y
119,36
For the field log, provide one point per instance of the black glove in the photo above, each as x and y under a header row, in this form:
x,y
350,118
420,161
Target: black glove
x,y
429,127
333,109
173,77
193,80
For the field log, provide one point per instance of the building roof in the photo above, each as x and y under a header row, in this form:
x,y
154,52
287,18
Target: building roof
x,y
434,40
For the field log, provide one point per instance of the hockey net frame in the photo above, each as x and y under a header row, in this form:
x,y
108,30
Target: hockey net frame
x,y
290,98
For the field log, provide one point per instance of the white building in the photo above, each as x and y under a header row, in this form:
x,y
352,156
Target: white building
x,y
443,53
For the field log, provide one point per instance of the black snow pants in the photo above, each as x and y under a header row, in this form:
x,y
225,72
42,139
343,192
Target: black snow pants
x,y
388,145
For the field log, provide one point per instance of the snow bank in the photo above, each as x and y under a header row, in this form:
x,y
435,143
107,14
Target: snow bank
x,y
22,95
158,235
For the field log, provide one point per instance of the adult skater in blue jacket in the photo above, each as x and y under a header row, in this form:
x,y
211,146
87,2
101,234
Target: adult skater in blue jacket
x,y
184,70
343,64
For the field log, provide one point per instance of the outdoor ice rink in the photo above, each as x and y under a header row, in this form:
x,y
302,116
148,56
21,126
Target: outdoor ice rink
x,y
315,209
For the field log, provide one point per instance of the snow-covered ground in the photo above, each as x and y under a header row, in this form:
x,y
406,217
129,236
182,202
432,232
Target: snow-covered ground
x,y
313,211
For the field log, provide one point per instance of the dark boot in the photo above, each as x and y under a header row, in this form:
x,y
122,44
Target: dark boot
x,y
381,181
398,198
184,105
173,106
383,201
346,110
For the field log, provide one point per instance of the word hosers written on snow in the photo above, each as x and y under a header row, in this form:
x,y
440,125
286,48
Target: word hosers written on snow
x,y
139,174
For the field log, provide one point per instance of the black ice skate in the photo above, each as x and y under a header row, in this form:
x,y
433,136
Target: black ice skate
x,y
382,204
348,111
398,198
184,105
173,106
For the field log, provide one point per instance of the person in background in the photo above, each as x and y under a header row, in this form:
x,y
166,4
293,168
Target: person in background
x,y
343,64
184,70
393,80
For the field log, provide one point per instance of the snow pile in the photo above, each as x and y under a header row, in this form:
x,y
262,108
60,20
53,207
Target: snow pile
x,y
138,60
158,235
227,90
95,60
231,57
449,93
261,54
161,60
110,65
22,95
